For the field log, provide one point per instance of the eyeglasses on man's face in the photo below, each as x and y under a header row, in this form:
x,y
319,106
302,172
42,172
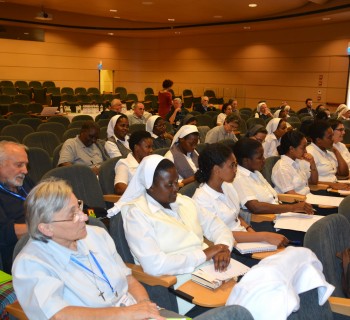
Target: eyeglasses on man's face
x,y
77,215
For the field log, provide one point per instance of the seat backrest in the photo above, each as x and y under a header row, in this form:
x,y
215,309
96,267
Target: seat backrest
x,y
8,138
44,139
6,83
161,151
204,120
189,189
209,93
325,238
149,91
106,175
80,90
70,133
21,98
253,121
35,84
56,155
65,121
93,90
35,107
4,123
344,208
83,181
39,163
187,92
116,230
137,127
33,122
122,92
49,84
67,90
57,128
17,108
18,131
267,168
82,117
76,124
21,84
11,91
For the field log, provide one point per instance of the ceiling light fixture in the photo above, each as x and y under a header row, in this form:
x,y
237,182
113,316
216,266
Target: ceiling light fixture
x,y
171,19
110,33
147,3
217,17
252,5
116,17
326,19
246,28
177,32
113,10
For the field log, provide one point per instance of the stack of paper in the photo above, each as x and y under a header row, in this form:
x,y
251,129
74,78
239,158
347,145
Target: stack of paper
x,y
296,221
252,247
208,277
323,200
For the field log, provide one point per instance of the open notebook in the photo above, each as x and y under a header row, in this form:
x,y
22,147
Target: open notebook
x,y
252,247
208,277
296,221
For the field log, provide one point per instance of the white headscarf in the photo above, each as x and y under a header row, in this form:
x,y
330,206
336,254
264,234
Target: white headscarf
x,y
259,106
344,110
140,182
111,125
183,132
150,123
272,126
277,113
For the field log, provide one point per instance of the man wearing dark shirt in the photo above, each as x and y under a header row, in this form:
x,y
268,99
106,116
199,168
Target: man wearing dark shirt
x,y
14,187
308,108
204,106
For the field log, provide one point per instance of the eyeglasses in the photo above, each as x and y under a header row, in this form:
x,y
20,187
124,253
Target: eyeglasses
x,y
77,215
340,129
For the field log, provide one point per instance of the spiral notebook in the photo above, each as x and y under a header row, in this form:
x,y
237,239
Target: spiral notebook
x,y
252,247
208,277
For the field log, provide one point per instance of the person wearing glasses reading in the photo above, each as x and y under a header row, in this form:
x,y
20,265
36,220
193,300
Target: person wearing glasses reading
x,y
226,131
69,270
14,187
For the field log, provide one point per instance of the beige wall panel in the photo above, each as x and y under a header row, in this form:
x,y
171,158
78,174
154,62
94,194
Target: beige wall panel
x,y
337,80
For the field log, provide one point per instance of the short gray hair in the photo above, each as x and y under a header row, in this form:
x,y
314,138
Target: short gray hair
x,y
178,99
4,152
47,198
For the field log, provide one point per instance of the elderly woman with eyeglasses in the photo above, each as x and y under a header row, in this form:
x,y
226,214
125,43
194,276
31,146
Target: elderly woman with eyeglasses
x,y
338,137
68,270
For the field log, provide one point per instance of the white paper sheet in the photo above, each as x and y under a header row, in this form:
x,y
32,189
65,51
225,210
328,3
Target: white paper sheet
x,y
296,221
323,200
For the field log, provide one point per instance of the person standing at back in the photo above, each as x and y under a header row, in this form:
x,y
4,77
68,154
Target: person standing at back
x,y
165,98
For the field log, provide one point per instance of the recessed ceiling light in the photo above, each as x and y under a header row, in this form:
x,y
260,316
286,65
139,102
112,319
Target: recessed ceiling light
x,y
147,3
217,17
113,10
26,33
246,28
110,33
171,19
326,19
252,5
116,17
177,32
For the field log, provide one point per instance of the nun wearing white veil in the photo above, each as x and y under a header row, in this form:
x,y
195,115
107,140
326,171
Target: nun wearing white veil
x,y
165,229
183,154
276,128
156,126
117,144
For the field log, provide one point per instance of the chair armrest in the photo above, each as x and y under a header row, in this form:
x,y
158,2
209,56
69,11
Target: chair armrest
x,y
319,186
111,198
340,305
140,275
16,310
285,197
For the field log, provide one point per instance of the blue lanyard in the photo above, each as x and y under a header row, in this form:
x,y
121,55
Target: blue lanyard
x,y
13,193
105,279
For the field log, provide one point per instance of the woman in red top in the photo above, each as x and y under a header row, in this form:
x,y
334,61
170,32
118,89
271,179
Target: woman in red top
x,y
165,98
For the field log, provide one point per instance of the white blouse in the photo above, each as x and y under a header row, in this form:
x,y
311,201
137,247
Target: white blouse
x,y
224,205
270,145
288,175
125,169
341,147
326,163
253,186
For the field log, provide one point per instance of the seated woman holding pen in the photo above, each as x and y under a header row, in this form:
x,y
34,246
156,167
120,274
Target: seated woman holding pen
x,y
217,170
255,194
165,229
296,168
